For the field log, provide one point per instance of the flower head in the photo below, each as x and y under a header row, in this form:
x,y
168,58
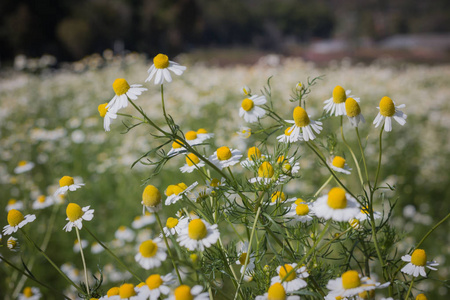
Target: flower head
x,y
123,91
198,235
76,215
30,293
291,277
350,284
337,103
339,164
175,192
155,285
184,292
224,157
192,163
161,67
250,109
107,114
300,211
353,112
303,126
14,204
244,132
389,110
276,292
13,244
43,202
141,221
151,253
16,220
23,166
151,198
417,263
67,183
337,205
174,225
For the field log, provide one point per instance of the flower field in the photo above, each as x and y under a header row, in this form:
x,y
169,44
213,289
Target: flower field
x,y
225,238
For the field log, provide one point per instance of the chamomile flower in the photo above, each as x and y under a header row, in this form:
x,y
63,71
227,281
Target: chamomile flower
x,y
266,174
300,211
126,291
199,195
278,198
161,67
350,284
13,244
184,292
292,279
96,248
76,245
107,114
192,138
151,253
67,183
337,205
339,164
389,110
276,291
417,263
155,285
174,225
14,204
214,184
336,104
204,135
244,132
250,109
364,214
289,166
141,221
242,256
177,148
30,293
151,198
303,126
123,91
125,234
23,166
253,155
421,297
16,220
192,163
175,192
353,111
198,235
42,201
225,157
286,136
76,215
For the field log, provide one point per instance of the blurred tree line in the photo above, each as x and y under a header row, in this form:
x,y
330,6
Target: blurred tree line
x,y
71,29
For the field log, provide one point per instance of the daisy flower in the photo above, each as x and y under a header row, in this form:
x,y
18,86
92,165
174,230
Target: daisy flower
x,y
300,212
266,174
177,148
389,110
199,195
250,109
126,291
192,138
76,245
30,293
244,132
14,204
339,164
42,202
125,234
421,297
141,221
23,166
286,136
66,183
253,155
151,253
184,292
225,157
293,281
214,184
336,104
16,220
107,114
278,198
242,256
155,285
203,134
417,263
337,205
276,291
288,165
151,198
96,248
123,91
364,215
175,192
174,225
161,67
192,163
13,244
303,126
76,215
353,111
350,284
198,235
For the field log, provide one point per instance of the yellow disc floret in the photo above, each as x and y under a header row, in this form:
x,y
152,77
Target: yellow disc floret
x,y
197,229
22,163
154,281
242,258
419,257
223,153
14,217
120,86
265,170
352,108
151,196
177,144
27,292
41,199
367,294
102,109
12,201
183,292
301,118
421,297
247,104
299,201
215,182
161,61
114,291
278,196
253,153
350,280
192,159
12,243
338,162
302,209
191,135
276,292
66,181
286,269
148,248
126,290
355,223
387,107
74,212
202,131
171,222
337,198
339,94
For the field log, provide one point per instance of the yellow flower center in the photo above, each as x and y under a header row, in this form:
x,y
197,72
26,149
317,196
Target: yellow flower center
x,y
197,229
355,223
14,217
12,243
171,222
352,107
192,159
284,270
223,153
278,196
265,170
120,86
302,209
350,280
419,257
193,257
280,159
151,196
114,291
387,107
27,292
177,144
22,163
338,162
214,182
421,297
367,294
202,131
253,153
126,290
301,117
276,292
183,292
242,258
247,132
66,181
339,94
12,201
154,281
122,228
41,199
74,212
336,198
298,201
191,135
286,168
247,104
148,248
161,61
102,110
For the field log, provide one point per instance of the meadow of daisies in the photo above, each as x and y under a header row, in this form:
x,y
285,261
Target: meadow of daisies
x,y
127,178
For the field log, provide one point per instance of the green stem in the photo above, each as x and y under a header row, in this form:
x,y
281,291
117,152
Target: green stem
x,y
410,288
363,156
379,159
130,116
353,154
84,262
